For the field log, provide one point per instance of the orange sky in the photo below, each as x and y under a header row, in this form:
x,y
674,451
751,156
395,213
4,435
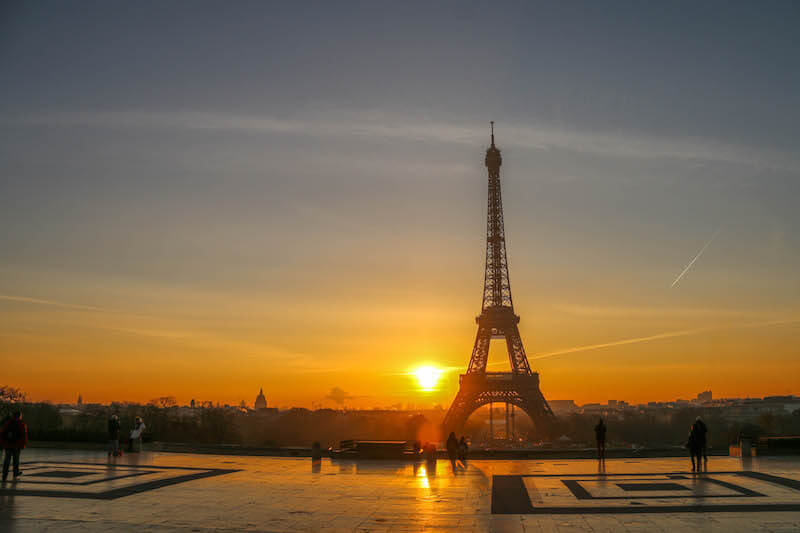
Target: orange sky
x,y
224,347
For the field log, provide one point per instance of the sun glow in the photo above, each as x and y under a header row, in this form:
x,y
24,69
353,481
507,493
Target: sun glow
x,y
428,377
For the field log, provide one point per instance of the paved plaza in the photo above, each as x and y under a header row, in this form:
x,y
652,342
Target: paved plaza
x,y
83,491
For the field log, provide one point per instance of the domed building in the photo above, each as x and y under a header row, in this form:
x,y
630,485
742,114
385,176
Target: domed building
x,y
261,401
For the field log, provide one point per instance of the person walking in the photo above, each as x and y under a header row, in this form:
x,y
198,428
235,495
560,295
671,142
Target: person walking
x,y
600,436
452,449
13,437
113,436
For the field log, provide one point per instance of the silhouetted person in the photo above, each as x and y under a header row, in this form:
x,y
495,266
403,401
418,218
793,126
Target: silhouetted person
x,y
316,451
136,435
694,447
430,457
316,457
600,436
13,437
463,448
452,449
113,436
701,430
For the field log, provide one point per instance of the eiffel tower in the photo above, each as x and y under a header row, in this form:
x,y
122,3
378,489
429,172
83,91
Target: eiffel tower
x,y
477,387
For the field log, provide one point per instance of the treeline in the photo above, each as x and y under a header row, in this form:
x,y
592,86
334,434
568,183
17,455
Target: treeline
x,y
656,428
209,426
301,427
218,425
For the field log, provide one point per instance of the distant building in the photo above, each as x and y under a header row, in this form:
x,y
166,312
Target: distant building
x,y
261,401
80,400
594,409
563,406
704,397
68,416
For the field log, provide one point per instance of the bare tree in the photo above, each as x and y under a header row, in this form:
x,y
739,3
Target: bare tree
x,y
11,395
164,402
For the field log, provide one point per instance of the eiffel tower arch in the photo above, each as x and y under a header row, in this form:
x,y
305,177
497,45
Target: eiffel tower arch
x,y
520,386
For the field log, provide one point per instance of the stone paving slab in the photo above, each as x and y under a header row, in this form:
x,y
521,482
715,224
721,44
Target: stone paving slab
x,y
83,491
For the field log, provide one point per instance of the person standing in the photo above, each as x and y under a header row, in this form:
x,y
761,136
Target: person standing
x,y
113,436
700,430
694,448
136,434
452,449
13,437
600,436
462,450
430,458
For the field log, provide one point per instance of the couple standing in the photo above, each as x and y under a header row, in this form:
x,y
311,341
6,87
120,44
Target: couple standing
x,y
457,450
135,442
697,444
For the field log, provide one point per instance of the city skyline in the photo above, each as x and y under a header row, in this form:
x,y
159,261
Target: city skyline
x,y
217,202
702,400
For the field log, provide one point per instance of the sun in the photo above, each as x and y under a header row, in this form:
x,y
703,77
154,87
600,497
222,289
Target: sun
x,y
428,377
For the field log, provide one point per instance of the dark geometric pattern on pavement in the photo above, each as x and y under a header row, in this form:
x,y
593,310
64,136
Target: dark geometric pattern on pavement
x,y
102,481
643,493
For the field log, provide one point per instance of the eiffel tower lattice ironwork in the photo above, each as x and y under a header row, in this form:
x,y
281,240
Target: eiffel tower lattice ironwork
x,y
477,387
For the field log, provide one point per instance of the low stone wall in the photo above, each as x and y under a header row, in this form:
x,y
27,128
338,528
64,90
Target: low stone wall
x,y
222,449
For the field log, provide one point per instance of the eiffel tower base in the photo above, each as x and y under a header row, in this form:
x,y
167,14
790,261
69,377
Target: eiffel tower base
x,y
520,390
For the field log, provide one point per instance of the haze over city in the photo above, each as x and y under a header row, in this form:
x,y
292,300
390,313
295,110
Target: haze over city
x,y
200,202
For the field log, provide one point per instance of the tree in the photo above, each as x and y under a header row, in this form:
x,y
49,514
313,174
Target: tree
x,y
11,395
164,402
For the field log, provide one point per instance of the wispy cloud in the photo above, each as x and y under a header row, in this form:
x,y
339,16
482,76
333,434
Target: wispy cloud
x,y
54,303
174,332
665,335
396,126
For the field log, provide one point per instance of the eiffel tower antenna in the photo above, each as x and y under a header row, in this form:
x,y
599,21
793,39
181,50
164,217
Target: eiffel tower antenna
x,y
477,387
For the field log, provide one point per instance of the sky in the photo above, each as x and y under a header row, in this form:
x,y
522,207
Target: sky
x,y
199,199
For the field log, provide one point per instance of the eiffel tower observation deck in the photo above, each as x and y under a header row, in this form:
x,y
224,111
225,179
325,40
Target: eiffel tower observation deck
x,y
520,386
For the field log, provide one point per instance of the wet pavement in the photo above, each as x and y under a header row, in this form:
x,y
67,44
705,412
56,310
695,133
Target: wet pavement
x,y
83,491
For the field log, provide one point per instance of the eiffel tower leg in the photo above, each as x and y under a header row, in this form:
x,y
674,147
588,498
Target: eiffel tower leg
x,y
516,351
463,405
536,407
480,352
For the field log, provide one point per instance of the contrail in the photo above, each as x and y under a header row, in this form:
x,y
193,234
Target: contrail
x,y
667,335
68,305
28,300
658,336
703,249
